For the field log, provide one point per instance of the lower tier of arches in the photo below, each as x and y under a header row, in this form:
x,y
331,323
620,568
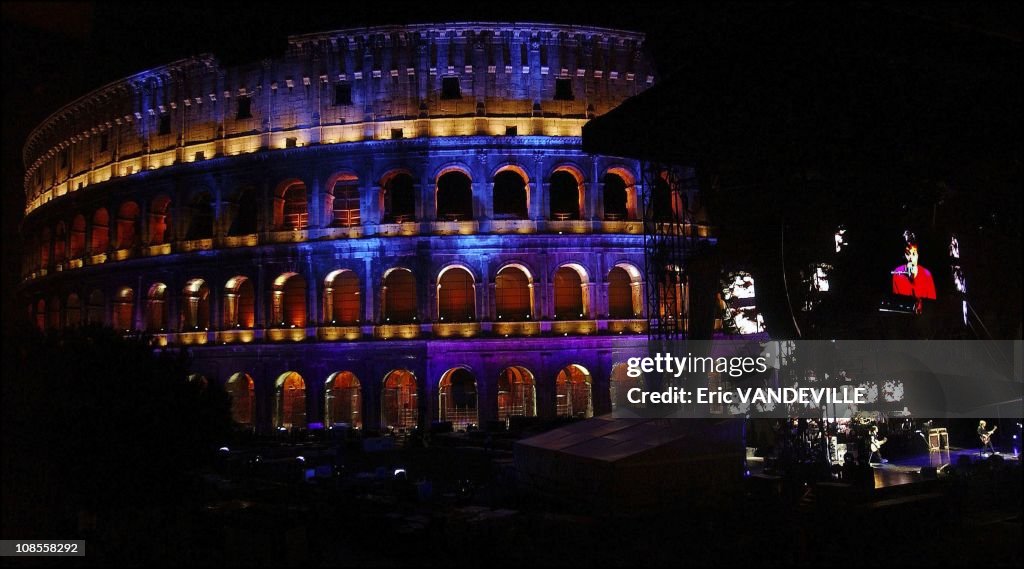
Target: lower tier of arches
x,y
403,385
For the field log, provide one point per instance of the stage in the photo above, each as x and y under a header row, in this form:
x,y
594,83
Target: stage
x,y
908,469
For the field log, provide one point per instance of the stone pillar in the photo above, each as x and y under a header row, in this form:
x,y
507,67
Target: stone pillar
x,y
315,204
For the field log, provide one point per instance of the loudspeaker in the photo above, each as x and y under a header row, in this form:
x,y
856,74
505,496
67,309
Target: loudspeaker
x,y
929,473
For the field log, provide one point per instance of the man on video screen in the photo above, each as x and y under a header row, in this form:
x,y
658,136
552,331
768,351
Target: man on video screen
x,y
911,279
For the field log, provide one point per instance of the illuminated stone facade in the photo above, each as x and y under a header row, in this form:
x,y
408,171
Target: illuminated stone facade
x,y
383,227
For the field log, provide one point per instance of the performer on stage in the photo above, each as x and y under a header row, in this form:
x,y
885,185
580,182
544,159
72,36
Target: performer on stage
x,y
875,444
911,279
985,436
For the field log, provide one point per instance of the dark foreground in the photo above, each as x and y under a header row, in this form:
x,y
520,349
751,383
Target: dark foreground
x,y
457,502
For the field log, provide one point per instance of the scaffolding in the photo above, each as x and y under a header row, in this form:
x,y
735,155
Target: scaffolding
x,y
669,236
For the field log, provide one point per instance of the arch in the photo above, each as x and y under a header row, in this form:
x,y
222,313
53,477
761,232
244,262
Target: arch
x,y
398,197
53,314
573,392
513,293
456,294
40,314
454,196
398,296
242,390
291,208
289,401
76,242
571,292
100,232
124,309
620,383
400,400
200,220
246,218
45,241
342,298
200,380
343,400
517,393
60,239
195,311
73,311
667,204
342,200
619,195
126,233
159,220
566,193
239,303
625,297
289,300
457,398
511,193
156,308
95,308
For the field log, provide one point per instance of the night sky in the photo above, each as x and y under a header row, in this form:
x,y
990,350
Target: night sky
x,y
55,52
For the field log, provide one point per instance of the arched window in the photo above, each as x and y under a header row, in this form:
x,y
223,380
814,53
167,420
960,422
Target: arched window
x,y
41,314
100,232
666,203
457,398
127,225
342,305
76,243
517,393
124,308
343,202
398,297
510,195
624,295
456,295
159,220
156,308
513,294
95,309
569,293
616,199
60,238
566,196
398,199
44,247
289,301
73,311
294,213
343,400
200,224
289,401
246,214
400,401
242,390
53,313
454,197
572,387
239,303
195,312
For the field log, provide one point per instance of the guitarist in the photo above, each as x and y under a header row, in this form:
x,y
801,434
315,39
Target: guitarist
x,y
875,444
986,437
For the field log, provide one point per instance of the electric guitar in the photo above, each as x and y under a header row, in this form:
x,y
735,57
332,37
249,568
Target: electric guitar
x,y
877,444
986,437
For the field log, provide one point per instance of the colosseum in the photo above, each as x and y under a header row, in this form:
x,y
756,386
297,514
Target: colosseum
x,y
383,227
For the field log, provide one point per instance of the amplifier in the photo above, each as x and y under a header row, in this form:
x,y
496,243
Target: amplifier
x,y
938,439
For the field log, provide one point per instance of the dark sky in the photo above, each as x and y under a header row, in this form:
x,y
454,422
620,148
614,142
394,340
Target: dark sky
x,y
54,52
